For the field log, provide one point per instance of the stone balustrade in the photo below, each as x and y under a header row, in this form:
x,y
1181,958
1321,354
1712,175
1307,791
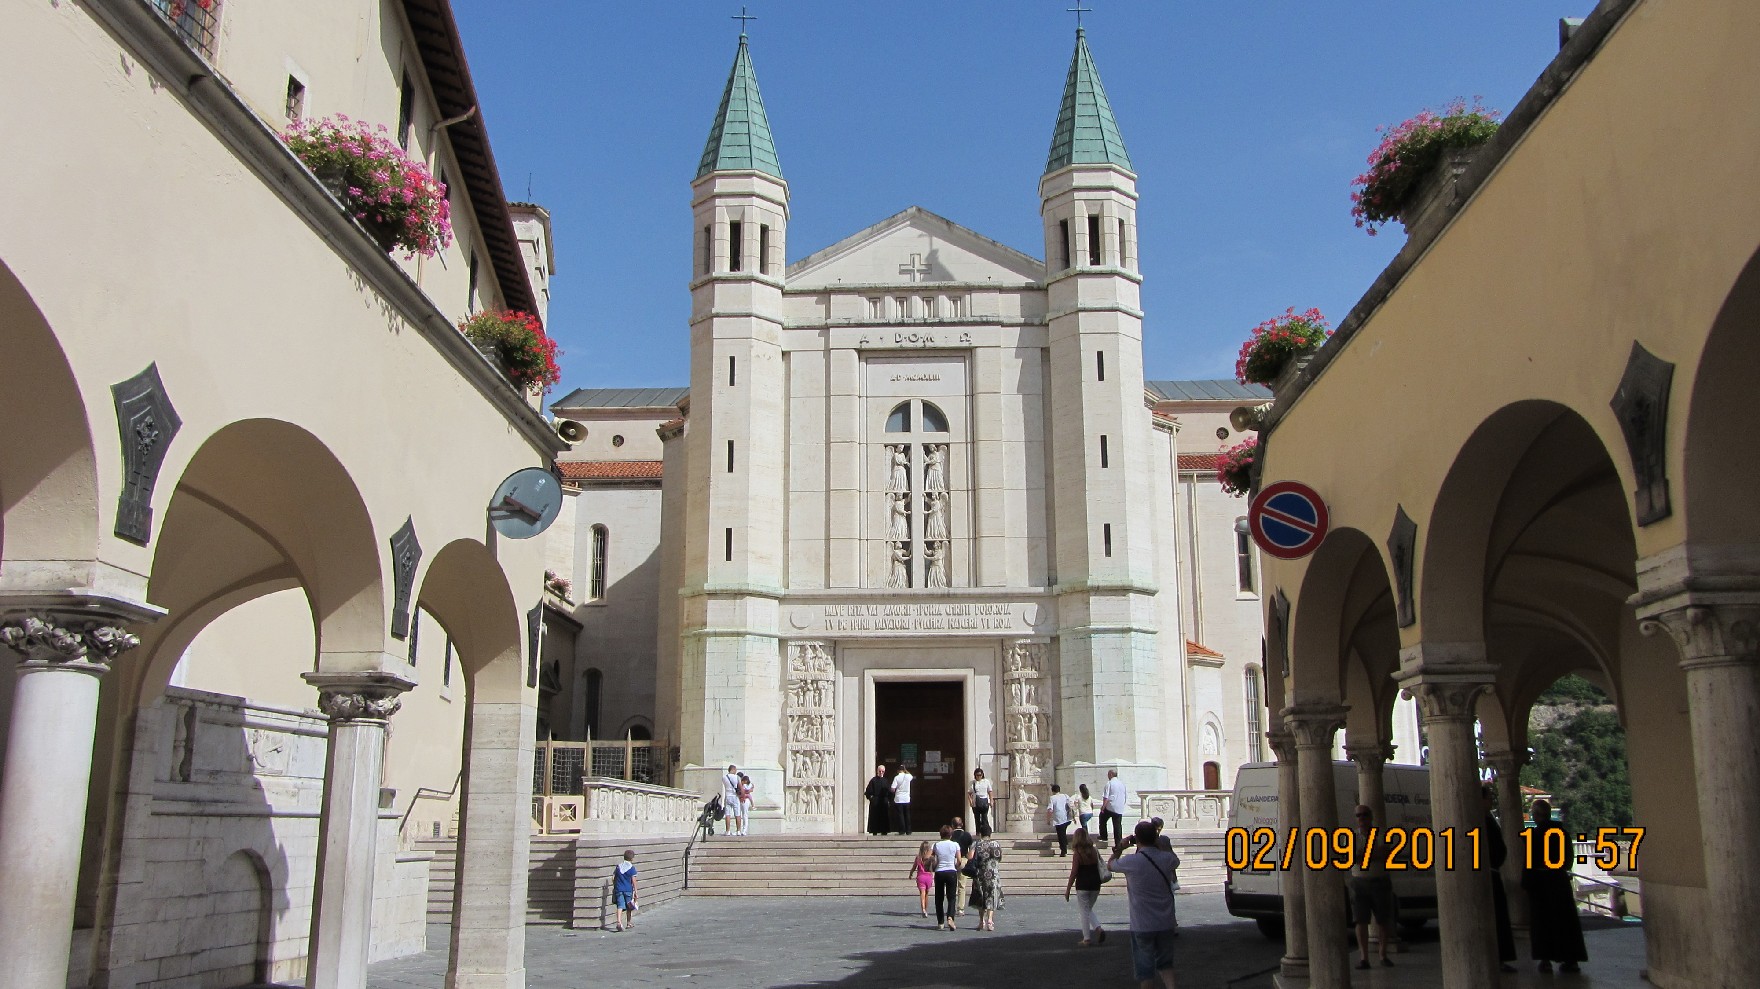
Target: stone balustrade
x,y
611,806
1199,809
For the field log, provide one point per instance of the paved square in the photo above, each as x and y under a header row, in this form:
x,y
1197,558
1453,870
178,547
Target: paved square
x,y
749,942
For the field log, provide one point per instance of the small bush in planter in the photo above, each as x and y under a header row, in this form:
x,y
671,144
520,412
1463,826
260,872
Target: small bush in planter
x,y
518,340
1235,469
1274,342
393,195
1409,152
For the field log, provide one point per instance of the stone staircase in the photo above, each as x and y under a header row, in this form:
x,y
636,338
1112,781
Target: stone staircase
x,y
568,878
859,865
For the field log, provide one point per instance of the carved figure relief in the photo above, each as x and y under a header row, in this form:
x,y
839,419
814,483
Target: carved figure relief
x,y
1210,742
898,525
899,478
935,467
935,515
808,790
1028,729
935,559
900,573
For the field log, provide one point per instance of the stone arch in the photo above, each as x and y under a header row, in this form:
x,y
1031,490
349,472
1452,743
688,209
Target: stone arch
x,y
467,592
1345,586
1719,464
49,511
241,930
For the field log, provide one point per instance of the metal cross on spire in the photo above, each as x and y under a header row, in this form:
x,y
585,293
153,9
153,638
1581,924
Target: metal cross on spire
x,y
742,17
1079,10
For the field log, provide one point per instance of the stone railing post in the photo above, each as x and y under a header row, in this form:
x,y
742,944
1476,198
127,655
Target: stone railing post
x,y
1314,725
359,706
62,651
1289,803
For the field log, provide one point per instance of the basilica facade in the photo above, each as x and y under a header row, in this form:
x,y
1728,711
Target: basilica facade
x,y
916,507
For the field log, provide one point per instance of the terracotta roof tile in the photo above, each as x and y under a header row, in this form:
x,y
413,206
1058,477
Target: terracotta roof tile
x,y
609,470
1200,461
1199,649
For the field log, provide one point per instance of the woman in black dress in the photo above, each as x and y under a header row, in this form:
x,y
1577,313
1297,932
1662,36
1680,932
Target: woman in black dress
x,y
878,794
1555,930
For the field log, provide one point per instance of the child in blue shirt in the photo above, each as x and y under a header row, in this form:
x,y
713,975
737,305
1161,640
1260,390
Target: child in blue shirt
x,y
623,890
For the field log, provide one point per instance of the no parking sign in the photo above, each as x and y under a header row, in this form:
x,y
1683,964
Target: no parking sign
x,y
1288,520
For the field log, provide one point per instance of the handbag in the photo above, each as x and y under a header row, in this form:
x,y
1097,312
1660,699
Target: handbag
x,y
1105,872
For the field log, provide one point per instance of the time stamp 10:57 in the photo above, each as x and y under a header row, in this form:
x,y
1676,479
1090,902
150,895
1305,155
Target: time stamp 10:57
x,y
1418,849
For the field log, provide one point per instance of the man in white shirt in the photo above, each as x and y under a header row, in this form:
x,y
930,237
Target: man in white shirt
x,y
1059,812
901,798
730,798
1149,873
1112,806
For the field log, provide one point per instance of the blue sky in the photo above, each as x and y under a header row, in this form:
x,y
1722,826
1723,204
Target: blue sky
x,y
1246,122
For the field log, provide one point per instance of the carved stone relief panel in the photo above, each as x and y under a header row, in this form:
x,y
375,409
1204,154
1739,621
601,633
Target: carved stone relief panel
x,y
1027,729
811,730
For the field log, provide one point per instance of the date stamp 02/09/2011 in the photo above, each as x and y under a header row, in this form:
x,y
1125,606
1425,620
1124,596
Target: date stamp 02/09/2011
x,y
1419,849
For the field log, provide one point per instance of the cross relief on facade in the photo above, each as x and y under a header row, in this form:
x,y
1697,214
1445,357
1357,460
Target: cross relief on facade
x,y
916,269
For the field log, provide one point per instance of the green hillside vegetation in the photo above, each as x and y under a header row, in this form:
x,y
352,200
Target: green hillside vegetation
x,y
1581,757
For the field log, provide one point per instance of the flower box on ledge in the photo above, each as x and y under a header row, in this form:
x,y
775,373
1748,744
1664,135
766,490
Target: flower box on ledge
x,y
1434,199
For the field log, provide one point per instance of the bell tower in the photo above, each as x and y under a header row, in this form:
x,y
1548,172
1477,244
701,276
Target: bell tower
x,y
731,676
1112,708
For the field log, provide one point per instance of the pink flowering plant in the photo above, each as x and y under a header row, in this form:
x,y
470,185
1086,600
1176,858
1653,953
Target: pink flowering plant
x,y
557,585
1268,351
1235,470
1410,151
393,195
519,342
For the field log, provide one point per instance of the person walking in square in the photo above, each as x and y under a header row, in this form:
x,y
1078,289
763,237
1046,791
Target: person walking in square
x,y
1061,816
987,884
1084,879
901,798
1084,804
623,891
1112,805
978,796
964,840
923,871
1148,873
948,861
1555,932
730,798
1371,890
879,803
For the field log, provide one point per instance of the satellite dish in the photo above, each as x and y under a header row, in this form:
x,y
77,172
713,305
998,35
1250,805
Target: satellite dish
x,y
526,503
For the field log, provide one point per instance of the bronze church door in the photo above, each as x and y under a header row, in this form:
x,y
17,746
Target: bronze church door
x,y
923,726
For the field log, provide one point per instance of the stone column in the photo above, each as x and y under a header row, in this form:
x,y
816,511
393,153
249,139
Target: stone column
x,y
1370,758
488,946
1446,701
359,706
1718,632
1295,904
1026,733
48,769
1314,726
1507,766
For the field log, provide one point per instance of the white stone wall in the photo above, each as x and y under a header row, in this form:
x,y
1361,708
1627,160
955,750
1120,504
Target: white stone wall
x,y
218,863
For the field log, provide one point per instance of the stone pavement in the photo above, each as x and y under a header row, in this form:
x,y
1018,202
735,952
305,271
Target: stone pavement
x,y
862,942
870,943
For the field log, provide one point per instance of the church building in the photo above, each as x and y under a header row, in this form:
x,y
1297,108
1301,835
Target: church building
x,y
916,507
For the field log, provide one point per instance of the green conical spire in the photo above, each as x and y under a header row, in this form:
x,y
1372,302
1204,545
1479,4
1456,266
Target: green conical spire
x,y
741,137
1086,131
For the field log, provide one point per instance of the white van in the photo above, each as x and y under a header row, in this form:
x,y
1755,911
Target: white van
x,y
1258,893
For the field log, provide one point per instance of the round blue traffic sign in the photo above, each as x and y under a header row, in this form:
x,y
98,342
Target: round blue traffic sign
x,y
1288,520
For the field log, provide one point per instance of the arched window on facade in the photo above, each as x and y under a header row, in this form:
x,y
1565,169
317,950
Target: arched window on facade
x,y
601,545
1246,579
918,505
1255,717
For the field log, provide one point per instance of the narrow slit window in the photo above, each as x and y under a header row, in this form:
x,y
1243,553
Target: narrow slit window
x,y
1103,458
708,249
296,99
1094,239
733,246
763,249
1100,365
1245,580
406,112
1063,244
470,305
601,549
446,665
1122,253
730,456
730,545
1106,537
732,372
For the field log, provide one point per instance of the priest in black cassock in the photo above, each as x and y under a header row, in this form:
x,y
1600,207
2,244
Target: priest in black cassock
x,y
879,795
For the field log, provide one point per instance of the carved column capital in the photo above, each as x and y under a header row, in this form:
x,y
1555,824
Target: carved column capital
x,y
1369,753
1506,763
1725,633
358,696
1314,725
1446,678
1444,700
73,641
1283,744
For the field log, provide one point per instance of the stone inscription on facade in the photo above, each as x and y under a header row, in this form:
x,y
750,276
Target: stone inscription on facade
x,y
810,787
1028,731
926,617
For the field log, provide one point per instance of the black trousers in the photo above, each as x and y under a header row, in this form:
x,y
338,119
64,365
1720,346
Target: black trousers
x,y
1117,820
1063,838
946,894
981,818
904,817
